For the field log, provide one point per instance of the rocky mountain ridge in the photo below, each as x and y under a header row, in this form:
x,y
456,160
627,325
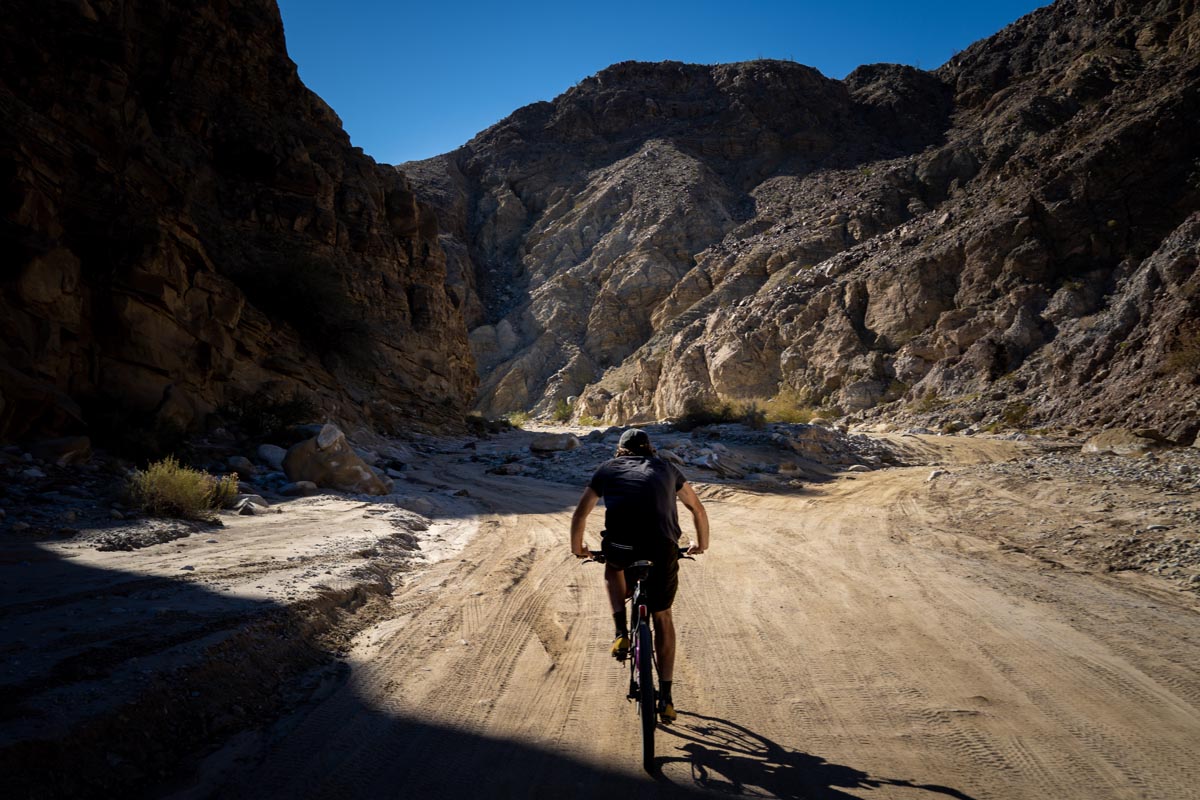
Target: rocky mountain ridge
x,y
1012,237
184,222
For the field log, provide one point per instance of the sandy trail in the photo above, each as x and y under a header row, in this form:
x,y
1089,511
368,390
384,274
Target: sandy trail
x,y
855,640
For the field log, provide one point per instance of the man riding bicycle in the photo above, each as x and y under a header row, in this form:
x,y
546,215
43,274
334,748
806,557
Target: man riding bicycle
x,y
640,522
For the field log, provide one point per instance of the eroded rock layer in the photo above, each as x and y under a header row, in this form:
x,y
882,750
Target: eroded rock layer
x,y
1013,236
182,219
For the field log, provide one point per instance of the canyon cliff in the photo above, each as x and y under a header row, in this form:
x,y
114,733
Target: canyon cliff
x,y
184,223
1012,237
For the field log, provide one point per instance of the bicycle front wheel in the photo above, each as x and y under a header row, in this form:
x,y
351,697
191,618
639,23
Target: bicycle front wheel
x,y
646,705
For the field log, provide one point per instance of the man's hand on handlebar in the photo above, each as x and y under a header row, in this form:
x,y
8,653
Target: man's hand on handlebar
x,y
582,552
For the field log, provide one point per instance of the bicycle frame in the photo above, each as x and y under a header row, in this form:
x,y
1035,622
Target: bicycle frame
x,y
640,614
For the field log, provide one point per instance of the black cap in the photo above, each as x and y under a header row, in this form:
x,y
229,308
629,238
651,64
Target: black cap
x,y
635,439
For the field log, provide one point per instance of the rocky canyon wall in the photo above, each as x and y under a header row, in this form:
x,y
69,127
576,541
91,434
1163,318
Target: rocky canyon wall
x,y
183,221
1012,236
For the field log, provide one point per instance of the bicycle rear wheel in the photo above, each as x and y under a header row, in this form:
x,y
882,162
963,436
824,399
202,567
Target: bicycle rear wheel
x,y
645,700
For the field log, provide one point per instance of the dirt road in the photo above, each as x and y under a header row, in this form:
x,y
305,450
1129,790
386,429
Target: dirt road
x,y
858,639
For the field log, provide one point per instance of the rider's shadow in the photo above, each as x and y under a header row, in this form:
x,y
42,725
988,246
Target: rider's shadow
x,y
730,759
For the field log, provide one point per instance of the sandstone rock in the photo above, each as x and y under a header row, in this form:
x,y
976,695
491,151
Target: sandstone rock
x,y
63,451
1121,442
328,461
271,455
554,442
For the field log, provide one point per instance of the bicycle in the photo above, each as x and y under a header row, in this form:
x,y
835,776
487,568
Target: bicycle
x,y
641,656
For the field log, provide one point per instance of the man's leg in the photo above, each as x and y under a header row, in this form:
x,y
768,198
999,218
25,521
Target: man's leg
x,y
614,579
664,644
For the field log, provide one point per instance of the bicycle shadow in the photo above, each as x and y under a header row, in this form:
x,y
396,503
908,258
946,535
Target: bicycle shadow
x,y
731,759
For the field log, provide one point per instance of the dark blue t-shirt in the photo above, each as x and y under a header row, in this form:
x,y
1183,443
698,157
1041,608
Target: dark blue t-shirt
x,y
639,499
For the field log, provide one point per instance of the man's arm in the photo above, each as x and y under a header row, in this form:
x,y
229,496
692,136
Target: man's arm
x,y
579,521
687,495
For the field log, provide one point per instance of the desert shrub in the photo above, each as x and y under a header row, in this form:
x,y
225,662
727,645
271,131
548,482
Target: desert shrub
x,y
790,406
562,411
264,413
589,420
1015,414
699,414
167,489
753,416
517,418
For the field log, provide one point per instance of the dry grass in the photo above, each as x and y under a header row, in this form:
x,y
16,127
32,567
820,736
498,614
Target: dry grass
x,y
168,489
790,405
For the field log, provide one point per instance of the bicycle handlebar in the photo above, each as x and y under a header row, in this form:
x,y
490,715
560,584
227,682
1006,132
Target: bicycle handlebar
x,y
598,557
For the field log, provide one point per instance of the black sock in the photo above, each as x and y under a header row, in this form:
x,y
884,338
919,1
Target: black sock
x,y
665,691
621,618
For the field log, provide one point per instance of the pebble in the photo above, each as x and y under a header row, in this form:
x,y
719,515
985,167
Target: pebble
x,y
188,567
937,473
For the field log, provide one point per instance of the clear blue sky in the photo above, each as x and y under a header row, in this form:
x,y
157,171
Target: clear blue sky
x,y
411,80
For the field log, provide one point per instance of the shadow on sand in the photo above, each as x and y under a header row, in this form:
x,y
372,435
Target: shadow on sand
x,y
730,759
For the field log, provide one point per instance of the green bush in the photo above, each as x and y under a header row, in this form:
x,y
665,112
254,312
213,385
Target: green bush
x,y
589,420
168,489
562,411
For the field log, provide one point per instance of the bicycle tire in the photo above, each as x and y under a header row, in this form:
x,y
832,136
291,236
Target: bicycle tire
x,y
647,709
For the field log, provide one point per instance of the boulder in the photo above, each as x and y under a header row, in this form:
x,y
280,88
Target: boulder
x,y
554,442
242,466
272,455
1121,442
328,461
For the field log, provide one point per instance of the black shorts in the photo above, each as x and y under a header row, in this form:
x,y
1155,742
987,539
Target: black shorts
x,y
662,582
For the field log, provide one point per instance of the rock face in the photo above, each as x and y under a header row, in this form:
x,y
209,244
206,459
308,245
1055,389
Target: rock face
x,y
1012,237
182,219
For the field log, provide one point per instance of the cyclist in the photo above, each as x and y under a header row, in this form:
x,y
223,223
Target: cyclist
x,y
640,522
